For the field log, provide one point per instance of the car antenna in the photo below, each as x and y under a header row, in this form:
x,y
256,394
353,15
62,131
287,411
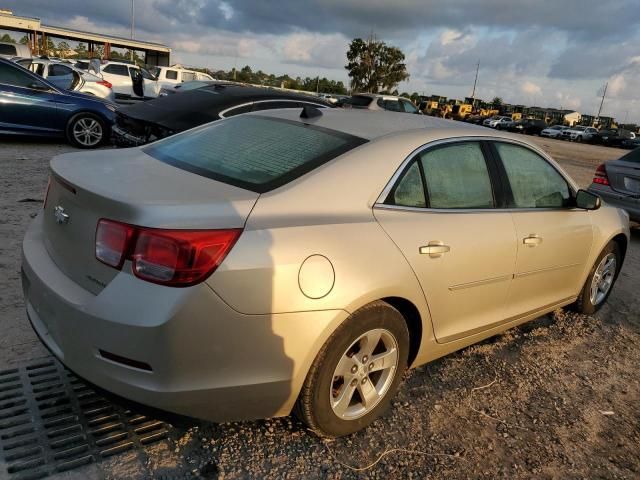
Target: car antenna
x,y
310,112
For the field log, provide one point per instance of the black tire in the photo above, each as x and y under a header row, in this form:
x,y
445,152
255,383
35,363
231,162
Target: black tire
x,y
583,303
314,407
579,139
89,119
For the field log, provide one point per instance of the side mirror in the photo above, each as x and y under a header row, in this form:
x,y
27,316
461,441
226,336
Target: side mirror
x,y
587,200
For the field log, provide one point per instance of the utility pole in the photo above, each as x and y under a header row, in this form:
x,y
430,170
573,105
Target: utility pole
x,y
133,22
602,102
317,84
473,94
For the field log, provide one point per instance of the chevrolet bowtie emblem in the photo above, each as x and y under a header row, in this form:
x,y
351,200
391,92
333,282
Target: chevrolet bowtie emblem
x,y
61,216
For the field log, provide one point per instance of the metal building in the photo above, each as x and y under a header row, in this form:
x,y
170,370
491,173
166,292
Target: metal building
x,y
37,33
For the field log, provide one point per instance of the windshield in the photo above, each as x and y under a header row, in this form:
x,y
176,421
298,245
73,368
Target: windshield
x,y
253,152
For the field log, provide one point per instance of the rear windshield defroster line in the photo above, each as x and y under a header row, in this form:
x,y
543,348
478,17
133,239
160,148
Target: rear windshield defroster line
x,y
253,152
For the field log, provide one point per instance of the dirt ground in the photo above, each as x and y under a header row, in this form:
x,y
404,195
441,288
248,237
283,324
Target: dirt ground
x,y
556,398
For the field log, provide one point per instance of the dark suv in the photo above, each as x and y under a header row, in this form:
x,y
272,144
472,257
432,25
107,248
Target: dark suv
x,y
530,126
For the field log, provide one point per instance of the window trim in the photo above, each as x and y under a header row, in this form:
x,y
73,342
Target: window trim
x,y
226,110
380,201
496,188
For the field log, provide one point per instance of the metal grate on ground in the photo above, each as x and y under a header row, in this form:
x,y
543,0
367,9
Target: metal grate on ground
x,y
51,421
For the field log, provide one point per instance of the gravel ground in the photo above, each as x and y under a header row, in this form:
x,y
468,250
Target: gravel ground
x,y
556,398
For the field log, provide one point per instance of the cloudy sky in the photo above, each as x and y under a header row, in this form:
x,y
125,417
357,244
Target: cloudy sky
x,y
556,53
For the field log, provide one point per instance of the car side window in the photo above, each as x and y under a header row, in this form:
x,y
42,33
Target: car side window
x,y
188,76
56,70
171,74
535,183
408,106
457,176
10,75
392,106
116,70
409,191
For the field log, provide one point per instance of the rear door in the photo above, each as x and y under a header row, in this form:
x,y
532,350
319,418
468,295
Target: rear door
x,y
118,77
25,109
443,215
554,238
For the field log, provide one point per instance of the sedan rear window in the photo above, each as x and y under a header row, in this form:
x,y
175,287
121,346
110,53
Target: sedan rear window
x,y
253,152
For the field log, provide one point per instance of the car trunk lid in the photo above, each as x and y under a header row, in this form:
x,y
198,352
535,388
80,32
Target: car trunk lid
x,y
131,187
624,177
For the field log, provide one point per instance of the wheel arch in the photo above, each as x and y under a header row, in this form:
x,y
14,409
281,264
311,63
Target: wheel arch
x,y
621,240
412,317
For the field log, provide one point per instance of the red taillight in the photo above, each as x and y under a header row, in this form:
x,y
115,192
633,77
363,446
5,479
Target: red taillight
x,y
105,83
600,176
177,258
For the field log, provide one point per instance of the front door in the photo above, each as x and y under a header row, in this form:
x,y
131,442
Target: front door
x,y
554,238
24,108
441,214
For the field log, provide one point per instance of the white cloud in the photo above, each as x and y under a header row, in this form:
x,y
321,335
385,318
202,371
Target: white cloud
x,y
323,50
530,88
227,10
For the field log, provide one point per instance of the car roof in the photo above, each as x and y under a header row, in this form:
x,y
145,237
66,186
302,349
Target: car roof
x,y
370,124
377,95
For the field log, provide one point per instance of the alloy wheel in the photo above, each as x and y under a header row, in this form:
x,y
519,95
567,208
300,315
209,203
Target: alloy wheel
x,y
364,374
603,279
87,132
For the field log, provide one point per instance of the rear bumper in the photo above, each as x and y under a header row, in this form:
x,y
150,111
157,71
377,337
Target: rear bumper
x,y
205,360
619,200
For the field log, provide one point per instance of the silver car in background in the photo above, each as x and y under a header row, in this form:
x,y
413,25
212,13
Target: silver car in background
x,y
618,183
67,77
554,131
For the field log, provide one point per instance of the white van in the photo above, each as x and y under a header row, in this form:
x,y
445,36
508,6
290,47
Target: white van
x,y
169,77
10,50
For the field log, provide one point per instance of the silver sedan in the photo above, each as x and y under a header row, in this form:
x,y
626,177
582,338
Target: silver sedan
x,y
290,260
68,77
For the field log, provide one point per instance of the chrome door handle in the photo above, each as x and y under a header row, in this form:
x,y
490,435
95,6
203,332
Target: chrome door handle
x,y
532,240
434,249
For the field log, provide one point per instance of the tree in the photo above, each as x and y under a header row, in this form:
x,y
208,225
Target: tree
x,y
63,49
7,38
24,40
496,102
375,66
81,50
